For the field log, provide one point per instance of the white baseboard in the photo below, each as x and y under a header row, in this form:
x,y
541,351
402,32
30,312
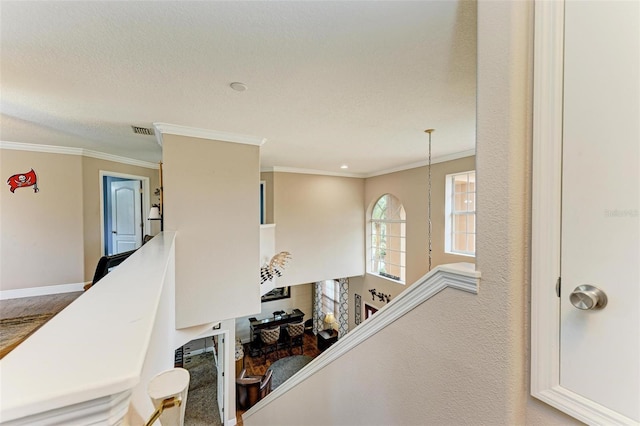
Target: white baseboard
x,y
41,291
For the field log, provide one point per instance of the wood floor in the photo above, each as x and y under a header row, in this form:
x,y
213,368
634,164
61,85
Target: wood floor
x,y
11,335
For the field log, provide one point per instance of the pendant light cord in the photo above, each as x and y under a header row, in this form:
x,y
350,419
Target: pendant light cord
x,y
429,131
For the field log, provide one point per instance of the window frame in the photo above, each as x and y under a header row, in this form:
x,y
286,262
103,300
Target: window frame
x,y
402,238
450,214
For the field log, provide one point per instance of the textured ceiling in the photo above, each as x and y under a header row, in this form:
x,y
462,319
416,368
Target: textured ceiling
x,y
328,82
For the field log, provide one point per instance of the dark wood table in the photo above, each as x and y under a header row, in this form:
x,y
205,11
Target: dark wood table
x,y
326,338
257,325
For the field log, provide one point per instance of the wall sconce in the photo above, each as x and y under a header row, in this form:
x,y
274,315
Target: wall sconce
x,y
381,296
329,319
155,214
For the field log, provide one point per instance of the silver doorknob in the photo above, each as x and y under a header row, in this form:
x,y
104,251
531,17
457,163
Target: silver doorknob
x,y
588,297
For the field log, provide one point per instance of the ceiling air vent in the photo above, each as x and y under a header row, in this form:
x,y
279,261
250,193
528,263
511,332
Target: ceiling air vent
x,y
142,130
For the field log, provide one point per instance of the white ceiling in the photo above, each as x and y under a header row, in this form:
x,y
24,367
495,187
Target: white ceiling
x,y
329,83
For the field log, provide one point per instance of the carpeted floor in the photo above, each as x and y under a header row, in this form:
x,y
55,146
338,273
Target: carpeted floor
x,y
202,401
284,368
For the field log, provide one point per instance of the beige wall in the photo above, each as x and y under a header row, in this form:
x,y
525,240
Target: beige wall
x,y
211,200
411,188
301,298
63,219
458,358
91,168
503,161
319,220
41,233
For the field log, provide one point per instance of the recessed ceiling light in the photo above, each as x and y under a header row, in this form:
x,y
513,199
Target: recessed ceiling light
x,y
238,87
344,166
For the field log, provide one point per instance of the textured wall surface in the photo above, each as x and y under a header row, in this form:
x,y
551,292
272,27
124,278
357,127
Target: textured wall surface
x,y
458,358
41,241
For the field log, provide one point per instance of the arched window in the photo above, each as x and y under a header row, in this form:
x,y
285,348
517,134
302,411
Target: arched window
x,y
388,239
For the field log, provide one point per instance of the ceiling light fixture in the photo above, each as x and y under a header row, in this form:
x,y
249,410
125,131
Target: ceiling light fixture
x,y
238,87
344,166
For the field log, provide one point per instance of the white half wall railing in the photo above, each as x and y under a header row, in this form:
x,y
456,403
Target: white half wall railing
x,y
91,363
460,276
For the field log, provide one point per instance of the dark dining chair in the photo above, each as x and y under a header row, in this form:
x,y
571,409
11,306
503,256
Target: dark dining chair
x,y
269,337
295,336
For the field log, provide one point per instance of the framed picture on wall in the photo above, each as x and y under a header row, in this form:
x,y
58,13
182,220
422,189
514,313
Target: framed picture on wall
x,y
277,294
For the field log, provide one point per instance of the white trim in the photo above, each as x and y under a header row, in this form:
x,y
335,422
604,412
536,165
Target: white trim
x,y
546,222
194,132
65,150
449,195
146,202
33,147
460,276
41,291
118,159
423,163
435,160
301,171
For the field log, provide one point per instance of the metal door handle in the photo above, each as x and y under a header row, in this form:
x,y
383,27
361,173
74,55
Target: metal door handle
x,y
588,297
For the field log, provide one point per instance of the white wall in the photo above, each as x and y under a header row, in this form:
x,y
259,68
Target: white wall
x,y
211,200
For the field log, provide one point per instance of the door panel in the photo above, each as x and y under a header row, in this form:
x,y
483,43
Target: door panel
x,y
600,349
126,216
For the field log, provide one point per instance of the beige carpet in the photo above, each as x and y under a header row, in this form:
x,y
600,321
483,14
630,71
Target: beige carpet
x,y
14,330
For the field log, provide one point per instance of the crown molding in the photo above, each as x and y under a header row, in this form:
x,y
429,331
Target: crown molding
x,y
423,163
435,160
55,149
279,169
194,132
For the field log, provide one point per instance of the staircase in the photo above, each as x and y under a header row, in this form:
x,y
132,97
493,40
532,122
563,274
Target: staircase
x,y
368,376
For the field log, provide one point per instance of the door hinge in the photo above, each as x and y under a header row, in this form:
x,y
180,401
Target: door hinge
x,y
558,286
223,374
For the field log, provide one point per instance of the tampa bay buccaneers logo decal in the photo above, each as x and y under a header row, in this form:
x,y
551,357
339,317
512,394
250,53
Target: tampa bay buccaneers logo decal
x,y
23,180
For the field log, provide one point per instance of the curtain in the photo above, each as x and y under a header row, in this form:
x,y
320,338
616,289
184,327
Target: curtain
x,y
340,293
343,307
318,317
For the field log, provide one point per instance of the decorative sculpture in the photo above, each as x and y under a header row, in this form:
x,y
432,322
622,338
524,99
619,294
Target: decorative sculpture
x,y
275,267
381,296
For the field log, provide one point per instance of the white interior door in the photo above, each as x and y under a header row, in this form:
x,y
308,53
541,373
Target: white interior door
x,y
600,349
126,215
